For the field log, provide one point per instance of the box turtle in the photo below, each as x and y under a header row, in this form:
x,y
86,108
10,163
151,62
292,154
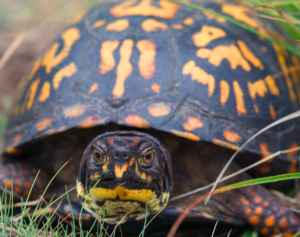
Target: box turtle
x,y
177,75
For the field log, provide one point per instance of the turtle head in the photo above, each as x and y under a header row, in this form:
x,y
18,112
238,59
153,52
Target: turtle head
x,y
123,173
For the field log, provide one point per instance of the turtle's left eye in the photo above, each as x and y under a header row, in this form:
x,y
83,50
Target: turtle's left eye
x,y
99,157
147,158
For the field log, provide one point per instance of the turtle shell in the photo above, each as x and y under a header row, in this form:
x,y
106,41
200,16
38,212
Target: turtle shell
x,y
161,65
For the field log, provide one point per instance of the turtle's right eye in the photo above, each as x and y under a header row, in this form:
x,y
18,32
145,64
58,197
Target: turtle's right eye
x,y
99,157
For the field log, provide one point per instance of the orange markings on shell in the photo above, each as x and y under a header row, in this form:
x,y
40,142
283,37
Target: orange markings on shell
x,y
137,121
78,17
258,211
18,182
118,25
17,138
177,27
36,66
266,204
248,212
282,62
188,21
147,58
213,17
28,185
124,68
271,83
239,13
91,121
252,192
206,35
225,144
283,223
74,110
98,24
199,75
258,199
159,109
144,8
231,53
240,103
107,61
292,154
249,55
51,58
66,71
245,202
231,136
151,25
93,88
17,190
265,231
45,92
8,184
270,221
272,111
192,123
155,87
224,92
257,88
288,234
187,135
43,124
254,220
25,172
32,92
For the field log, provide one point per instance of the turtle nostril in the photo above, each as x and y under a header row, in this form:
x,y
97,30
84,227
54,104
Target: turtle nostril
x,y
125,155
116,155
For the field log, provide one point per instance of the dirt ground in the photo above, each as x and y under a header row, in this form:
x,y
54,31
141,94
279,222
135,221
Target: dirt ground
x,y
29,25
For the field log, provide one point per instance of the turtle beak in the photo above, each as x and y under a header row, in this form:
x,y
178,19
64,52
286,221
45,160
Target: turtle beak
x,y
119,170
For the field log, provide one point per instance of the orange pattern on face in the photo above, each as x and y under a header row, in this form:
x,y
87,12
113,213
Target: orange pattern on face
x,y
199,75
249,55
192,123
98,24
187,135
45,92
93,88
224,92
144,8
155,87
106,56
151,25
118,25
137,121
124,68
51,58
231,53
231,136
147,58
42,125
74,110
159,109
271,83
32,92
206,35
240,104
66,71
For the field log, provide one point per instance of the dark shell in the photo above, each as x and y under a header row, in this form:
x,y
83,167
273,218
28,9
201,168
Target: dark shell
x,y
164,66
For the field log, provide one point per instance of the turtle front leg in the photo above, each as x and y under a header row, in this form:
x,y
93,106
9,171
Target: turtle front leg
x,y
18,178
265,212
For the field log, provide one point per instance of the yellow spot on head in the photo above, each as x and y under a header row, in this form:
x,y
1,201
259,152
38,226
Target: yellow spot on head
x,y
147,58
42,125
199,75
249,55
188,21
136,121
207,34
231,136
224,92
45,92
240,104
98,24
192,123
187,135
66,71
93,88
124,68
177,27
231,53
155,87
119,171
106,56
150,25
74,110
159,109
119,25
144,8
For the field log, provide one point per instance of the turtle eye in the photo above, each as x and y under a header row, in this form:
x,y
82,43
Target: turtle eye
x,y
147,158
99,157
